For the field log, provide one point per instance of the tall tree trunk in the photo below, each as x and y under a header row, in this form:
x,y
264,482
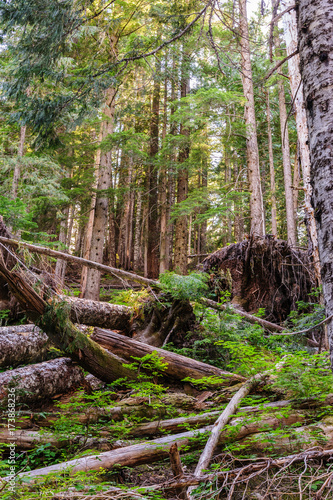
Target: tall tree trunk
x,y
291,223
61,264
101,207
90,223
180,255
296,84
137,253
164,235
153,229
271,167
256,198
315,31
17,169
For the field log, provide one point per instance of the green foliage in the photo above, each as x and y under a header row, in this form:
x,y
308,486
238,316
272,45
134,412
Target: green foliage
x,y
305,375
189,287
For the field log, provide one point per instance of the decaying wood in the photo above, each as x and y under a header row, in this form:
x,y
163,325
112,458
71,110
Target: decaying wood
x,y
272,327
28,439
177,469
22,346
95,313
150,451
245,472
178,367
63,334
79,260
41,381
221,422
262,273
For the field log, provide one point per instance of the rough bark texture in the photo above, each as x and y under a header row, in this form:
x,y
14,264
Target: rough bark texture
x,y
101,207
150,451
256,199
271,167
180,252
296,85
94,313
262,272
41,381
179,367
315,31
287,176
22,347
153,226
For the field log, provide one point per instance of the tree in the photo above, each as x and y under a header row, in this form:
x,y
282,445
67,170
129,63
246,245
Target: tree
x,y
256,199
315,31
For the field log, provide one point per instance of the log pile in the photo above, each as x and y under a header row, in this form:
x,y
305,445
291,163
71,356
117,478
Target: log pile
x,y
56,403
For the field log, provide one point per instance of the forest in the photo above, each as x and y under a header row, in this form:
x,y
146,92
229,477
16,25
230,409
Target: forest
x,y
166,268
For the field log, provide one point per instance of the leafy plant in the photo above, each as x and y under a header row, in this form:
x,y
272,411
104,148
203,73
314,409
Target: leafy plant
x,y
190,287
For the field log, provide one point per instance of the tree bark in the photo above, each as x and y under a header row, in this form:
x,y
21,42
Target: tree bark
x,y
151,451
153,219
296,85
287,176
94,313
42,381
101,207
22,347
315,31
179,367
256,198
180,253
271,167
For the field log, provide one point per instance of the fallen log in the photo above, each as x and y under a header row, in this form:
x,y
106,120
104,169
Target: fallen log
x,y
221,422
22,346
29,438
53,319
178,366
95,313
79,260
271,327
151,451
41,381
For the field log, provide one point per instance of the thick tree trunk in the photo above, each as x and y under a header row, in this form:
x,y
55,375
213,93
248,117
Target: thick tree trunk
x,y
179,367
296,85
315,31
271,167
42,381
153,229
256,199
94,313
151,451
180,252
22,347
90,223
101,207
137,252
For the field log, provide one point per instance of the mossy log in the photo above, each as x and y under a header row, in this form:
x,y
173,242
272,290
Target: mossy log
x,y
150,451
178,366
41,381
